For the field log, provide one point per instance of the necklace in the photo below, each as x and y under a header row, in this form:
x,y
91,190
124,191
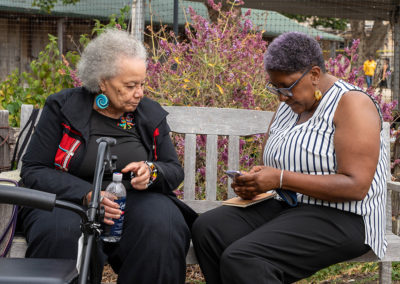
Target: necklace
x,y
126,121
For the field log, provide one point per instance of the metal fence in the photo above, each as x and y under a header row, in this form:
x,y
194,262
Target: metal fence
x,y
24,28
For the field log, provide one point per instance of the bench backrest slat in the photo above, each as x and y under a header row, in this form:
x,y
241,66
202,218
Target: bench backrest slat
x,y
211,167
190,167
233,158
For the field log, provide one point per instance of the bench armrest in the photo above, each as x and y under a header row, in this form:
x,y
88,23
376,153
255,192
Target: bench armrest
x,y
393,185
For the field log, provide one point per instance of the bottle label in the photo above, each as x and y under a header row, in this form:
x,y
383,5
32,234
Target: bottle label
x,y
116,229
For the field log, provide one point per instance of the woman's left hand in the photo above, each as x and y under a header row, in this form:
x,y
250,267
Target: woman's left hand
x,y
260,179
142,174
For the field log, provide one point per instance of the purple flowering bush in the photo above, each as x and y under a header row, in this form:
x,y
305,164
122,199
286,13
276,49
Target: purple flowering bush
x,y
219,64
216,65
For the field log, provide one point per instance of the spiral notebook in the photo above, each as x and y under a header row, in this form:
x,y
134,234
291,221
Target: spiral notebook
x,y
240,202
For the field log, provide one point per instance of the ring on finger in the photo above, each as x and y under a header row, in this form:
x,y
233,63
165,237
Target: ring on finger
x,y
101,198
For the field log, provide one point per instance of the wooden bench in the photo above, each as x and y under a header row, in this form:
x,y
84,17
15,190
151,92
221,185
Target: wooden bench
x,y
233,123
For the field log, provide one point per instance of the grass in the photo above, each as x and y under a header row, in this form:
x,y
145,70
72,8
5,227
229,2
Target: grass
x,y
345,272
355,273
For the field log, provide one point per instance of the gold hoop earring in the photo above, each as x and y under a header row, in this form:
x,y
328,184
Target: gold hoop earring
x,y
317,95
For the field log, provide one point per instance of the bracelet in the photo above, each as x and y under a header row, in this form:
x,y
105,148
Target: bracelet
x,y
153,172
280,179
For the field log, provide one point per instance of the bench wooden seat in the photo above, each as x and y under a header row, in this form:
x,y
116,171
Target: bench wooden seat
x,y
234,123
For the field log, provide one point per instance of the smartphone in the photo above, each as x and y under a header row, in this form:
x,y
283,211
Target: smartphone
x,y
233,174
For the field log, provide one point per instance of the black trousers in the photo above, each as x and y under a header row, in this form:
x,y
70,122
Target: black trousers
x,y
272,243
152,249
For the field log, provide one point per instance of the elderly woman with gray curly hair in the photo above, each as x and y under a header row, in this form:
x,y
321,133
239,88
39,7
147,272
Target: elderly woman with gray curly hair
x,y
325,157
61,159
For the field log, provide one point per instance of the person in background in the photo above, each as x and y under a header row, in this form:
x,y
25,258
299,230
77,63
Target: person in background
x,y
61,159
384,74
325,156
369,70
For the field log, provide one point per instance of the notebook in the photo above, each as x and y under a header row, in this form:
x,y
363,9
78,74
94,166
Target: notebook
x,y
240,202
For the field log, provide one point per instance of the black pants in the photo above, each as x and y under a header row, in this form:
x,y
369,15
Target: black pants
x,y
152,249
272,243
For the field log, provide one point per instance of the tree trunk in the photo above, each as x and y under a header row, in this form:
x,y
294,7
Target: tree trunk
x,y
370,43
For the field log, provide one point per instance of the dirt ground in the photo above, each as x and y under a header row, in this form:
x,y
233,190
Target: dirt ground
x,y
193,275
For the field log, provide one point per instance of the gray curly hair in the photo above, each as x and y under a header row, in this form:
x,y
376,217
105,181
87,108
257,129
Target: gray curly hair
x,y
99,58
293,52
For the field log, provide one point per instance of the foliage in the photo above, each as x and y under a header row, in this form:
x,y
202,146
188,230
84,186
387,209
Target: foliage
x,y
115,22
50,73
47,5
396,270
326,22
217,64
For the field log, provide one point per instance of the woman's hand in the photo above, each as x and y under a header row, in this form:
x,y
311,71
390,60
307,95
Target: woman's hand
x,y
259,180
111,208
142,174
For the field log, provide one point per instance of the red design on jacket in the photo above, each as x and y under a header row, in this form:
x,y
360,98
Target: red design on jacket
x,y
155,134
69,144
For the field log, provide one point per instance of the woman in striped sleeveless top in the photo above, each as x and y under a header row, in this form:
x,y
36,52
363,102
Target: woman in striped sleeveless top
x,y
324,155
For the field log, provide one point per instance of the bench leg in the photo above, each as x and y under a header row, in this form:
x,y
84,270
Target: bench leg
x,y
385,272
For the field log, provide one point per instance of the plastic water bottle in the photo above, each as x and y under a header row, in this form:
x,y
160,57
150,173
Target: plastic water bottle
x,y
112,233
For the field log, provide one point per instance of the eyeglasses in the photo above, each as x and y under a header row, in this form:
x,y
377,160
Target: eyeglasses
x,y
287,92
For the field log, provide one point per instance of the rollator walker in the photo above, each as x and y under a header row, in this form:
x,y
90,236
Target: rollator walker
x,y
45,271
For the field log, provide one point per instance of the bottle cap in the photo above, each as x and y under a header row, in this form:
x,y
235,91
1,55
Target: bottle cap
x,y
117,177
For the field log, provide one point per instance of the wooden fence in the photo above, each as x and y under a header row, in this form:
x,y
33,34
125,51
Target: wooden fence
x,y
8,137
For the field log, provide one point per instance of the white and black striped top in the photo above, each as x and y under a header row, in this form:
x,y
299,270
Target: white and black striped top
x,y
309,148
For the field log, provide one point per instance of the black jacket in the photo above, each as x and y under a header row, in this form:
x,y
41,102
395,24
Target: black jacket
x,y
72,108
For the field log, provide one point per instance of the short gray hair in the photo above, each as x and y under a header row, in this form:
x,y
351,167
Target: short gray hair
x,y
293,52
100,57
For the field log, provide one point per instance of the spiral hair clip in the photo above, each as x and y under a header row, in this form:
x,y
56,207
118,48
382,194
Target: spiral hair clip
x,y
102,101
